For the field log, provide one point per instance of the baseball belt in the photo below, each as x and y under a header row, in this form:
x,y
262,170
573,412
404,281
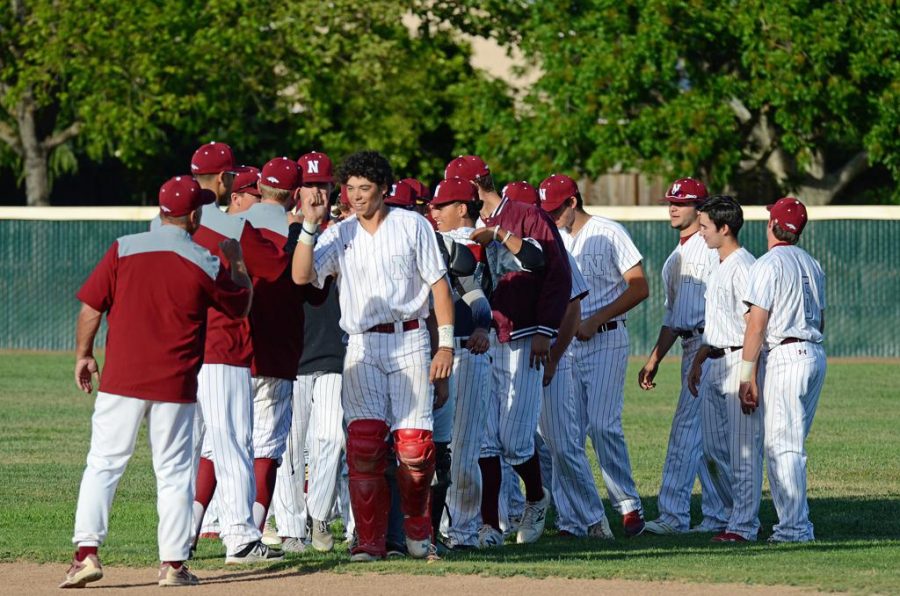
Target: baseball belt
x,y
716,353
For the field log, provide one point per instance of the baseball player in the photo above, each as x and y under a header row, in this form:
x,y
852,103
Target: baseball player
x,y
528,307
156,288
684,278
318,418
389,263
786,297
401,195
609,260
276,320
223,425
732,440
454,209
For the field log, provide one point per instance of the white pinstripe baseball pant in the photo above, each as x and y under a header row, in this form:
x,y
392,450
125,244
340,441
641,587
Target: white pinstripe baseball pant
x,y
732,445
683,459
225,415
794,377
598,369
578,505
272,407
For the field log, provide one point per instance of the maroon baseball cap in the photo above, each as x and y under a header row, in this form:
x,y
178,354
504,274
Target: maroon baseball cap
x,y
555,190
181,195
212,158
316,167
469,167
281,173
521,192
423,193
453,190
789,214
401,195
345,196
246,181
686,190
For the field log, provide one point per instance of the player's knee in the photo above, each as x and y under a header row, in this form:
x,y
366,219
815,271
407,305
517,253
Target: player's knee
x,y
415,448
366,448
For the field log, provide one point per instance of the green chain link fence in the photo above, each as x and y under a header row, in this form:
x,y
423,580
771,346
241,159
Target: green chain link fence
x,y
43,263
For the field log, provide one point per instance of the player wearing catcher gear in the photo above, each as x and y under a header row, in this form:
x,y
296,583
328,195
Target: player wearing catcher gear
x,y
276,320
528,307
611,264
684,279
732,439
156,288
454,209
786,297
318,419
389,263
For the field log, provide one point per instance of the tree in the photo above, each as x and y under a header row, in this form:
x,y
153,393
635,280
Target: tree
x,y
759,97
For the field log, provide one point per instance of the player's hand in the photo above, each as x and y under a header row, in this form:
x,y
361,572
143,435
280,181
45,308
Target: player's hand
x,y
482,236
231,250
646,376
549,371
540,351
749,396
85,370
479,341
694,378
586,330
441,393
314,206
293,217
441,365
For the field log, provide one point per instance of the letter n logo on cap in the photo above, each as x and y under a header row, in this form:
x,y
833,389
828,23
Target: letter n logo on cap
x,y
543,193
312,166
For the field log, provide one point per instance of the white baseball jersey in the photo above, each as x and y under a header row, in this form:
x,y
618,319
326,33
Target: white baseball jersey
x,y
382,274
790,285
725,308
580,287
604,252
684,278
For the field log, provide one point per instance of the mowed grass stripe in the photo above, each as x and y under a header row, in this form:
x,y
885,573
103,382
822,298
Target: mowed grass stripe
x,y
854,492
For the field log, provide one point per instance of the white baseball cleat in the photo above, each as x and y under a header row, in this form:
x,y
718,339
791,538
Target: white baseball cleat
x,y
601,530
512,525
489,537
270,535
322,540
418,549
657,526
255,552
533,520
293,545
171,577
83,572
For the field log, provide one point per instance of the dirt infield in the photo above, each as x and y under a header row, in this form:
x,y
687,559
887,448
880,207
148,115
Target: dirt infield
x,y
30,578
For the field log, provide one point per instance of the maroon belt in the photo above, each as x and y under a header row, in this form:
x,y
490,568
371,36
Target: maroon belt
x,y
790,340
716,353
389,327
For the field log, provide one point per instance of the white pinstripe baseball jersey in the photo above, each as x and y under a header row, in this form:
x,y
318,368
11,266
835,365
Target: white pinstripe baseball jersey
x,y
387,269
790,284
725,308
604,252
684,279
580,287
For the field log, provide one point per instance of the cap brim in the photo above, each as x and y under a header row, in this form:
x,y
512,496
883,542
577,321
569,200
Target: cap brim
x,y
769,207
313,178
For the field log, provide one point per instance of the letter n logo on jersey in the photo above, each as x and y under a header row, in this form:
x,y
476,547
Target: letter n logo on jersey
x,y
401,266
312,166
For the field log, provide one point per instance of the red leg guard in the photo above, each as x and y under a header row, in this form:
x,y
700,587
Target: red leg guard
x,y
369,493
415,450
206,482
266,471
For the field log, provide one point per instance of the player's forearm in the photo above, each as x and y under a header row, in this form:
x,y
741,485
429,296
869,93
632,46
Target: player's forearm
x,y
757,321
567,330
664,343
635,293
431,326
302,266
701,355
86,330
443,302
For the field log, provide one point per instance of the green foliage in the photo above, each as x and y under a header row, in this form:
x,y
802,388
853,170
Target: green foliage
x,y
854,489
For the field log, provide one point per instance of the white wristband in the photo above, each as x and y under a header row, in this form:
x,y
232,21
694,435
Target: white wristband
x,y
307,239
445,336
746,371
310,227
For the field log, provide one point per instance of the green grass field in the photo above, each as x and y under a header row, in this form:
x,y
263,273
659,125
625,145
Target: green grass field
x,y
854,480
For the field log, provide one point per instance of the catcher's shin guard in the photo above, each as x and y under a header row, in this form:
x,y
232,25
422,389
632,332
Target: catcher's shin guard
x,y
369,494
439,485
415,450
